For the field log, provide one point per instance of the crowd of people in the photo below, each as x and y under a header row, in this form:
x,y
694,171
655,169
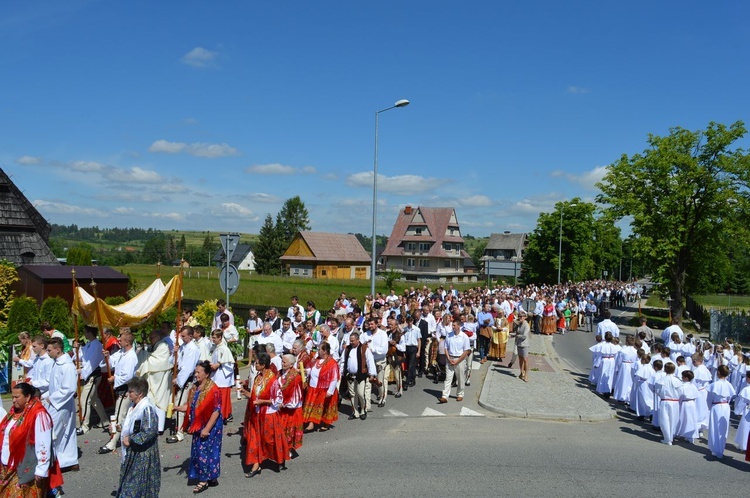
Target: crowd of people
x,y
683,385
305,365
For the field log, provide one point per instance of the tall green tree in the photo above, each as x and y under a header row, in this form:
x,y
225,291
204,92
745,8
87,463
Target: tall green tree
x,y
582,244
267,250
155,250
79,255
682,193
292,218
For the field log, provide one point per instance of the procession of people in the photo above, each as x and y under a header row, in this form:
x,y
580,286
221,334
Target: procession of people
x,y
308,367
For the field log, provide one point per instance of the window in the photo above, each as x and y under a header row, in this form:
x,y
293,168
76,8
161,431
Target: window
x,y
296,271
410,262
447,263
323,273
448,247
424,263
424,246
418,231
411,246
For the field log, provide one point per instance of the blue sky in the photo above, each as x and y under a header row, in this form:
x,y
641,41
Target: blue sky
x,y
208,115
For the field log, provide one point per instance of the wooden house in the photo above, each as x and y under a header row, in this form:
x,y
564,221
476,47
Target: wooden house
x,y
326,255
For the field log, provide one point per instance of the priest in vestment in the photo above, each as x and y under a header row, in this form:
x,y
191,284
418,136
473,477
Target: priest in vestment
x,y
157,370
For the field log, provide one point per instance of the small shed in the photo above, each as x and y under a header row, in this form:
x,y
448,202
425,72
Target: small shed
x,y
242,258
43,281
326,255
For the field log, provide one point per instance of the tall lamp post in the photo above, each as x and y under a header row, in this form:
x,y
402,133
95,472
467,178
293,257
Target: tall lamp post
x,y
559,250
400,103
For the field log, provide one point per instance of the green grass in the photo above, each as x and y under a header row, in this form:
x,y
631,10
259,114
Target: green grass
x,y
202,283
723,300
655,301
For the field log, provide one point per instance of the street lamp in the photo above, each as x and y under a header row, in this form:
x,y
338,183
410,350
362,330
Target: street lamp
x,y
400,103
559,250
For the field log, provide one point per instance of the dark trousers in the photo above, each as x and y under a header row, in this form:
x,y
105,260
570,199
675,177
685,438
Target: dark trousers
x,y
423,357
537,324
411,361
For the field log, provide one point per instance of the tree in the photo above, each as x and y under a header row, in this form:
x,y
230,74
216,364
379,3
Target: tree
x,y
79,255
293,218
682,193
23,316
154,250
478,253
55,311
8,276
267,250
582,244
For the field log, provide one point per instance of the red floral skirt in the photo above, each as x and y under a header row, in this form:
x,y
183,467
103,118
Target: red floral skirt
x,y
292,421
265,439
226,402
319,409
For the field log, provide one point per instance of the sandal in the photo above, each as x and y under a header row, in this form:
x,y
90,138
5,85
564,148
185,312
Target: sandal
x,y
200,488
323,429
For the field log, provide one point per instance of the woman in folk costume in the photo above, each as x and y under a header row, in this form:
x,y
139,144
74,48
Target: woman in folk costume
x,y
321,399
742,408
290,383
26,467
548,317
499,336
204,421
140,467
264,433
720,393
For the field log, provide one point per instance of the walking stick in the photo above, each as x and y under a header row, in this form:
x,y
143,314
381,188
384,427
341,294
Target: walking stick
x,y
101,332
178,325
78,356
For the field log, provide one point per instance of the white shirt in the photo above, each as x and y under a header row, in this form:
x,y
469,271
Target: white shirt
x,y
91,357
351,362
231,334
41,372
217,319
412,335
187,359
124,364
378,343
62,383
224,375
254,325
456,344
274,339
334,342
287,338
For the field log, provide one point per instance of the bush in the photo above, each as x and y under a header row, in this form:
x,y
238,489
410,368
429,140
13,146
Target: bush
x,y
23,315
55,311
8,276
170,316
205,313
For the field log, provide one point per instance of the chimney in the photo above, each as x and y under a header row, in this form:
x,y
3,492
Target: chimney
x,y
407,210
507,231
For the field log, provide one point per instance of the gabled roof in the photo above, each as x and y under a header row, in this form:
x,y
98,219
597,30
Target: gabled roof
x,y
437,221
24,233
340,247
237,257
507,241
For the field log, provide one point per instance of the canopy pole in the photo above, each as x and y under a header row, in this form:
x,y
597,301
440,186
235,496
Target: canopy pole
x,y
101,332
78,348
178,325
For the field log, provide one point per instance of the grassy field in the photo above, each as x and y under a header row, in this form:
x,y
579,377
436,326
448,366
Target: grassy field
x,y
202,283
723,300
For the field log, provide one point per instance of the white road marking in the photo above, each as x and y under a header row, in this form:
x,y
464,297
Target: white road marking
x,y
467,412
394,413
429,412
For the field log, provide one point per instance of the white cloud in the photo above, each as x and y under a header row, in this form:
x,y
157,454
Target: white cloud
x,y
261,197
231,210
198,149
199,57
587,179
51,207
535,205
474,201
308,170
124,210
271,169
400,184
577,89
135,174
86,166
28,160
166,216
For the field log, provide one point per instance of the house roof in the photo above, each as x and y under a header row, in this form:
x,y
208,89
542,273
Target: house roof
x,y
437,221
507,241
341,247
238,256
50,273
24,233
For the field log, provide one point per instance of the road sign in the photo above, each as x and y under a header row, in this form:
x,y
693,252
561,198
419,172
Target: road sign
x,y
528,305
229,243
229,279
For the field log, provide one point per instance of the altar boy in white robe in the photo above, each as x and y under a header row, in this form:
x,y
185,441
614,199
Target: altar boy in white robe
x,y
60,403
720,393
689,425
157,370
667,389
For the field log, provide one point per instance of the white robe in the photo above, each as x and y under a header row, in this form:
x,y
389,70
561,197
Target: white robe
x,y
719,395
61,405
41,372
702,380
688,425
742,408
158,371
644,399
626,359
607,375
596,363
658,376
667,389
